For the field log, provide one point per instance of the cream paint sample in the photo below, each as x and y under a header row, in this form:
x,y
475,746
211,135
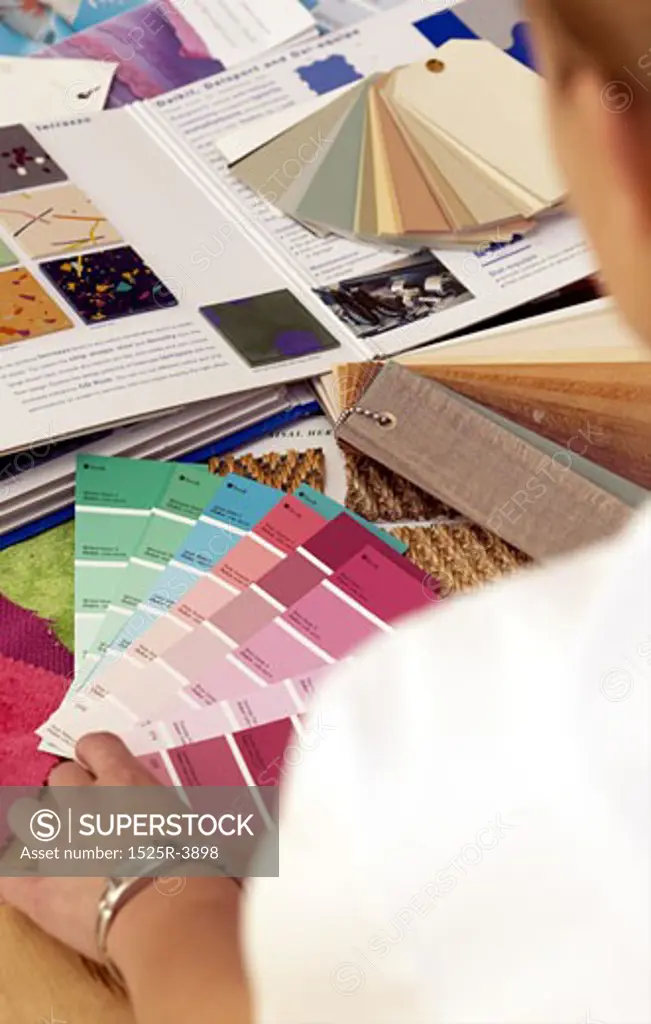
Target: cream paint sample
x,y
504,125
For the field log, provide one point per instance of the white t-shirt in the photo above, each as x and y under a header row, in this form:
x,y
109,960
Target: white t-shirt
x,y
467,838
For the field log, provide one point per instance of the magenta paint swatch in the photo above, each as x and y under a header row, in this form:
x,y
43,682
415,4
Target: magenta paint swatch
x,y
253,757
286,584
370,592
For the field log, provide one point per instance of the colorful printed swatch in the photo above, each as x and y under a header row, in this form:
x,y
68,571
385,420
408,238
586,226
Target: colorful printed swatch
x,y
241,595
260,706
254,757
365,596
152,587
164,56
26,27
187,490
108,285
113,501
289,524
56,220
285,527
186,672
322,76
214,542
7,258
23,161
228,623
27,310
270,328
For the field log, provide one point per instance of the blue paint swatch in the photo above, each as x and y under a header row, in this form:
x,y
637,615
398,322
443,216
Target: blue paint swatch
x,y
323,76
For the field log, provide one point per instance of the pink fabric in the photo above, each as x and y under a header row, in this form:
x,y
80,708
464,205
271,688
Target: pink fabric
x,y
26,637
35,669
28,695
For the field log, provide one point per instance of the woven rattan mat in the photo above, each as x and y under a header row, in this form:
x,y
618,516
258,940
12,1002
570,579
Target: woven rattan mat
x,y
286,470
460,554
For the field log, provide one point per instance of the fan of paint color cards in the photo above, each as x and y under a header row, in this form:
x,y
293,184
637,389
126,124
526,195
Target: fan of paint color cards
x,y
452,150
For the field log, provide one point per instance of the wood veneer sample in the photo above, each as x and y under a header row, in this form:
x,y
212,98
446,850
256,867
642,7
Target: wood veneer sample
x,y
472,464
617,431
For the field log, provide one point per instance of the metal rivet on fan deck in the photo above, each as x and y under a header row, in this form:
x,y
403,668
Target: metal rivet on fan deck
x,y
386,420
435,65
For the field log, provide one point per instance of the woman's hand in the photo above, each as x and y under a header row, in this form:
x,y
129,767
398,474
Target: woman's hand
x,y
192,931
67,907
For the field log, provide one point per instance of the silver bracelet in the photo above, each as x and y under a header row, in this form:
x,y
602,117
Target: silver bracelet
x,y
117,893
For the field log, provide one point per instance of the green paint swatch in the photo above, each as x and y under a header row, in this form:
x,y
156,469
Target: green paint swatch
x,y
331,198
188,490
114,498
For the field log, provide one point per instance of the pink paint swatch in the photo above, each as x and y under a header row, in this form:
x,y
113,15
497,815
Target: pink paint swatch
x,y
254,757
283,529
369,593
366,596
235,665
194,658
181,725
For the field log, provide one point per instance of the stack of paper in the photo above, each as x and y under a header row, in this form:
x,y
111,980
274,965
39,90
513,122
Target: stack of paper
x,y
447,150
37,484
208,610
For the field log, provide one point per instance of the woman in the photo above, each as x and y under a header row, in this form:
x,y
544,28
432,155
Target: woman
x,y
469,841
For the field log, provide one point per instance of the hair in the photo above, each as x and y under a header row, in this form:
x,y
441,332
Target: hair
x,y
614,36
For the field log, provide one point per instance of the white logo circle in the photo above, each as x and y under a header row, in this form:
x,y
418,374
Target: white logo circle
x,y
617,97
617,685
347,978
45,826
168,885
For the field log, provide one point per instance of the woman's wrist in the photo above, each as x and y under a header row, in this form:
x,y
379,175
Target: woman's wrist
x,y
179,954
159,918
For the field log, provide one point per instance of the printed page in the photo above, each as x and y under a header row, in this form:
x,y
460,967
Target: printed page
x,y
387,299
331,15
236,31
171,43
118,280
31,91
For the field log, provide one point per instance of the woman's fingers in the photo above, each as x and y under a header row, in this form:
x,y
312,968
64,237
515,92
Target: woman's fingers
x,y
69,774
111,763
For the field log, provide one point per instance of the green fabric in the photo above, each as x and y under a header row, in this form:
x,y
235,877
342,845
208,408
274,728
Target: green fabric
x,y
39,574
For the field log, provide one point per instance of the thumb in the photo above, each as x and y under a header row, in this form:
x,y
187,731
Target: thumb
x,y
111,762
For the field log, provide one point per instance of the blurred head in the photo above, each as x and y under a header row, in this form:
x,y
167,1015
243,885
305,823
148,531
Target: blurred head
x,y
596,55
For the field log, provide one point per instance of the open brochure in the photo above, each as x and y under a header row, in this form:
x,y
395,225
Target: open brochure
x,y
177,284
